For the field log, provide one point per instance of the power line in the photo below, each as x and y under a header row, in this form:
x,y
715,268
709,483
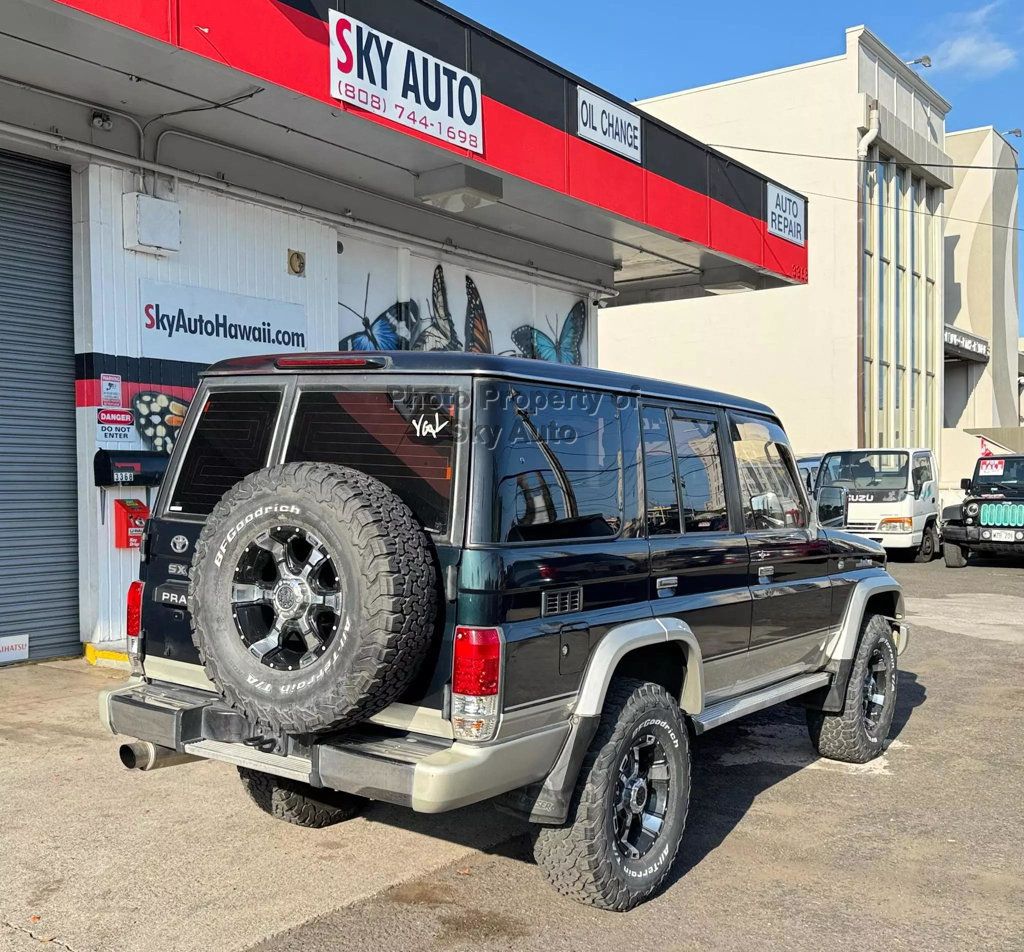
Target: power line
x,y
848,158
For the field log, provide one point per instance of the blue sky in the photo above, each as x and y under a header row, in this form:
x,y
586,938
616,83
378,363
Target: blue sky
x,y
645,48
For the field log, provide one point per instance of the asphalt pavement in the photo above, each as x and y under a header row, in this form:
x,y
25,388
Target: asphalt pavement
x,y
921,849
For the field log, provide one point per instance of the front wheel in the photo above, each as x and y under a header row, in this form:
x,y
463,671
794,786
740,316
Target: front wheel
x,y
857,734
955,556
929,545
629,807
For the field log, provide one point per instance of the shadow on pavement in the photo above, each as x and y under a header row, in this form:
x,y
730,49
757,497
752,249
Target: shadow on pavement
x,y
732,766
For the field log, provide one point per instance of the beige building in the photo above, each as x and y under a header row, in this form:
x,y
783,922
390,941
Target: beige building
x,y
855,356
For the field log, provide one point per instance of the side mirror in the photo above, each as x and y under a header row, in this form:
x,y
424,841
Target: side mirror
x,y
965,483
832,506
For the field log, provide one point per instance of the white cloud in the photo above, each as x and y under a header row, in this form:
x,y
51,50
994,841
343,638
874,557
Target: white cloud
x,y
972,47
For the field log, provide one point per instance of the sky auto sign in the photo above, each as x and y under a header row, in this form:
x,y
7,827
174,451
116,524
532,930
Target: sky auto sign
x,y
202,325
386,76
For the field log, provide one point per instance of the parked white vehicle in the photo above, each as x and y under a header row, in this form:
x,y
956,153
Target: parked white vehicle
x,y
892,496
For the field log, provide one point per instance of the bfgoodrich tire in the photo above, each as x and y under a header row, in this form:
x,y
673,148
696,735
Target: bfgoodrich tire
x,y
297,802
313,597
857,734
628,810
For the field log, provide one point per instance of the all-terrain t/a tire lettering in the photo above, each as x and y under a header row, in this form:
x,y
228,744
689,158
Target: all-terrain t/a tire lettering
x,y
593,857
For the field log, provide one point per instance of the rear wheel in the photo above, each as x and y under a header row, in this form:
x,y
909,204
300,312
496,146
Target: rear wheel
x,y
299,803
929,544
954,555
629,808
857,734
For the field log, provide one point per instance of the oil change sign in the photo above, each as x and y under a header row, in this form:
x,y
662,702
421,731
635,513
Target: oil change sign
x,y
787,215
399,82
609,125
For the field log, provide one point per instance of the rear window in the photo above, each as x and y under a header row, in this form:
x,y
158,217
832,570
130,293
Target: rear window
x,y
405,437
232,439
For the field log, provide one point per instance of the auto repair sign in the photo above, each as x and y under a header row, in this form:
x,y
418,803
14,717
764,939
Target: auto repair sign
x,y
385,76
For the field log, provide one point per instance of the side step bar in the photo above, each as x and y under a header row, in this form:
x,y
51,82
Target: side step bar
x,y
729,710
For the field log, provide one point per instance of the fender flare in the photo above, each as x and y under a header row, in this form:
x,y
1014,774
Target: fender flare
x,y
843,644
620,641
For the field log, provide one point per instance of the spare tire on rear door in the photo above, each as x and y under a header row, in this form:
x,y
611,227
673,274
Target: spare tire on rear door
x,y
313,596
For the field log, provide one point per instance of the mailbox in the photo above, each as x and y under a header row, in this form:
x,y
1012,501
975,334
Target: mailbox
x,y
130,517
128,467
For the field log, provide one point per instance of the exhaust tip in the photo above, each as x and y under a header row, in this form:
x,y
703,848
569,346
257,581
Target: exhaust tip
x,y
129,756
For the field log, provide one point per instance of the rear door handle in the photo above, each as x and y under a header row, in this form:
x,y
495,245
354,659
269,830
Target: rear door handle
x,y
667,585
765,574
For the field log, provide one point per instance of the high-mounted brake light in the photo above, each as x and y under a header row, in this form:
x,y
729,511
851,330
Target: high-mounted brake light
x,y
476,679
306,362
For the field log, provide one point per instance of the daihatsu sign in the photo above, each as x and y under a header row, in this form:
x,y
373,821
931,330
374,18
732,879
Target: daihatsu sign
x,y
385,76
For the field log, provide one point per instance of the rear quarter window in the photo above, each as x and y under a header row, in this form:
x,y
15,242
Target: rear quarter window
x,y
231,439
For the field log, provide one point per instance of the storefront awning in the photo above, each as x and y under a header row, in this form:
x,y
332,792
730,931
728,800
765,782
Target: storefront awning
x,y
377,98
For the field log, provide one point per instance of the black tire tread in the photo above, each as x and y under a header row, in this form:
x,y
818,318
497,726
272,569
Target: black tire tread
x,y
576,858
842,736
297,802
396,628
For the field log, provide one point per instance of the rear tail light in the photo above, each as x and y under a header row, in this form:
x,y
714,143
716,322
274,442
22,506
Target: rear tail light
x,y
476,679
133,626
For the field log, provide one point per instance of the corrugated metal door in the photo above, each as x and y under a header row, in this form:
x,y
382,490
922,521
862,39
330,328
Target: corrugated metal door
x,y
38,507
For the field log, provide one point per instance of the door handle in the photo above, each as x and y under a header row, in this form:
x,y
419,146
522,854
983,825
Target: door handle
x,y
666,585
765,574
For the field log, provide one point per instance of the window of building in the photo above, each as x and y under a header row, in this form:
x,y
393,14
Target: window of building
x,y
659,474
231,440
769,489
701,482
557,466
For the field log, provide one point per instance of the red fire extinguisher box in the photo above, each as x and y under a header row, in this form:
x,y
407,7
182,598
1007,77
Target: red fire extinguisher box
x,y
130,517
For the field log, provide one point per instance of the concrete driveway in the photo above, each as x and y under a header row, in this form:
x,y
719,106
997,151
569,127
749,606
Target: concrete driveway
x,y
918,850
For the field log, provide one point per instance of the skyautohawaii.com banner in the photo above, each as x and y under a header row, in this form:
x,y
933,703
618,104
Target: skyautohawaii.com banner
x,y
202,325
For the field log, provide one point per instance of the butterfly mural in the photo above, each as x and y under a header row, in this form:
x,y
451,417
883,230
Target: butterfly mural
x,y
158,418
437,331
562,347
390,330
478,334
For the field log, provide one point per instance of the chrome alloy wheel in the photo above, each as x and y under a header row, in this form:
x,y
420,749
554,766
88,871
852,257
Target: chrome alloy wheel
x,y
877,679
641,797
287,598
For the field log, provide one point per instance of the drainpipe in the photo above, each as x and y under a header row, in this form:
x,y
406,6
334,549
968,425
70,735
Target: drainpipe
x,y
862,171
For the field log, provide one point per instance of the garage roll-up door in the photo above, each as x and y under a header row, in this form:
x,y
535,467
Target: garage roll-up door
x,y
38,508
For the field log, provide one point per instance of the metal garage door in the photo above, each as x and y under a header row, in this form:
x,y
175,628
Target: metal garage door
x,y
38,507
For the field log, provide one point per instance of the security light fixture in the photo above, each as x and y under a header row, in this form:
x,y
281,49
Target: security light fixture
x,y
458,188
925,61
1013,132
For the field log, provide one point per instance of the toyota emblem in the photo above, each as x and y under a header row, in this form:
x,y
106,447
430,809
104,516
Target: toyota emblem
x,y
179,544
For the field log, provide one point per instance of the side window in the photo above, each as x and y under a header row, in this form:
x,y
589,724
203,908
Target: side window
x,y
558,467
699,463
768,488
659,474
922,471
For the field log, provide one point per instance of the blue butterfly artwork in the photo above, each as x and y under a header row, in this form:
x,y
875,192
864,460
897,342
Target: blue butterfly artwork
x,y
563,347
388,331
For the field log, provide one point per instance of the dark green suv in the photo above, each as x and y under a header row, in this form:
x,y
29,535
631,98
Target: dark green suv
x,y
435,579
990,520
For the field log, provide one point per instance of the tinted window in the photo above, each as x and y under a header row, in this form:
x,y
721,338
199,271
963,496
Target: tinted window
x,y
555,458
232,439
659,474
768,488
405,438
700,475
